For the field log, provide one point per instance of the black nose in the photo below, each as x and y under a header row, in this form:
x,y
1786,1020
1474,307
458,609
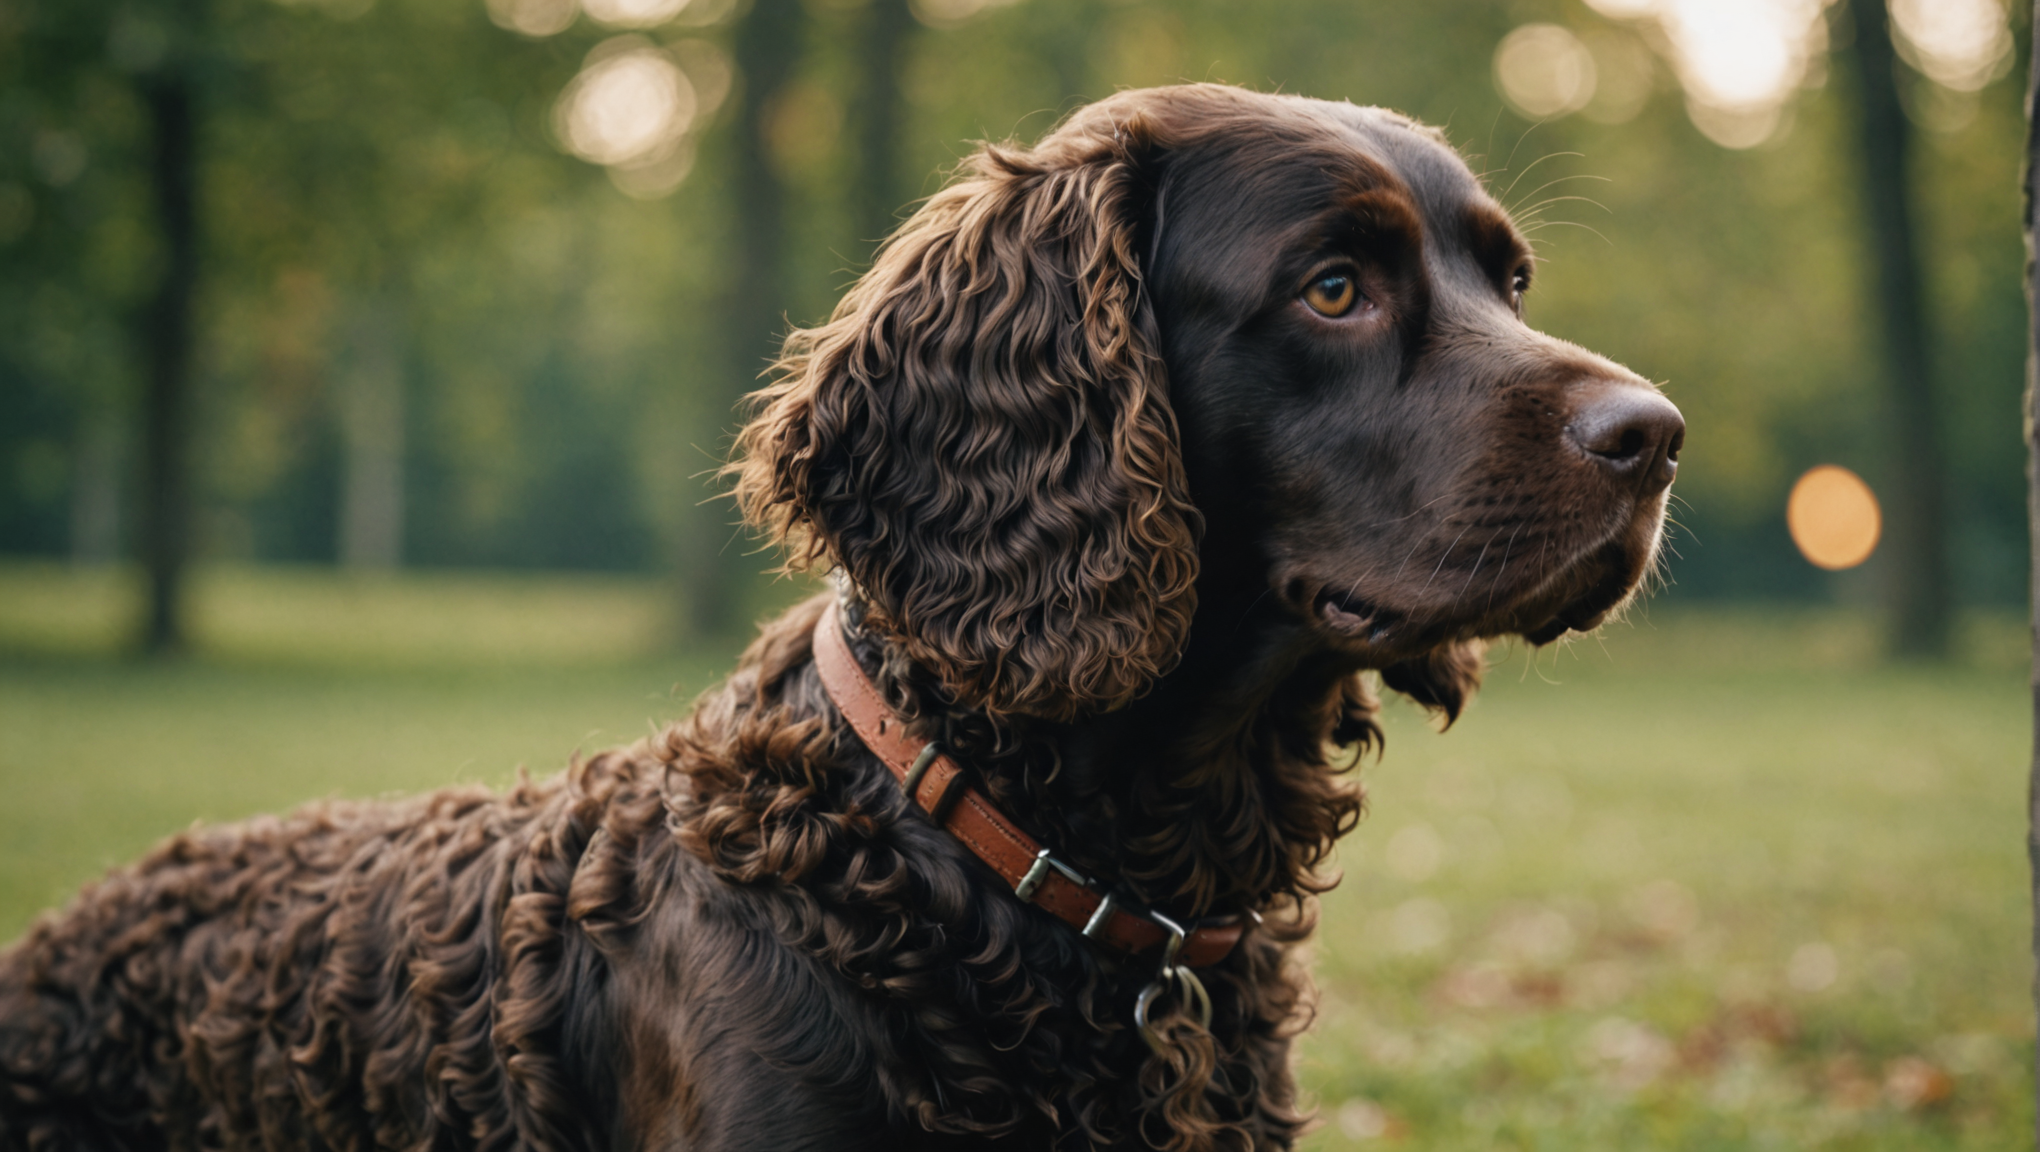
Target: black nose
x,y
1630,430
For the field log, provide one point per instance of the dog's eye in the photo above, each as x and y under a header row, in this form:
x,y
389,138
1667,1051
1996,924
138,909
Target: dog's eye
x,y
1331,295
1519,283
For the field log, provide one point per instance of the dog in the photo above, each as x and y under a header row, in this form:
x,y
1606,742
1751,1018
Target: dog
x,y
1131,455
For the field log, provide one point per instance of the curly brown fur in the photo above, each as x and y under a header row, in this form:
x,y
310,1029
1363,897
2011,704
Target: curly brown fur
x,y
352,976
1122,518
981,439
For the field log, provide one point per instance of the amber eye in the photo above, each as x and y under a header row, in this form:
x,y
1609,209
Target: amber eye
x,y
1331,295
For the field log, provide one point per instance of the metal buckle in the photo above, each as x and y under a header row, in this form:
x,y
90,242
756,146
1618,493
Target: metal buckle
x,y
1188,986
1098,919
912,784
1037,872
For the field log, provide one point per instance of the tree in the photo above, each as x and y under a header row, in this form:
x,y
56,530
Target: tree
x,y
880,110
2032,428
765,51
110,79
172,101
1916,500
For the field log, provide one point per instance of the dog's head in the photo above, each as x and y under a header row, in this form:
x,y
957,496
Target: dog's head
x,y
1276,341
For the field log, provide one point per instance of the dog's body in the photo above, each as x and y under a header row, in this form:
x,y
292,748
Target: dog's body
x,y
1134,449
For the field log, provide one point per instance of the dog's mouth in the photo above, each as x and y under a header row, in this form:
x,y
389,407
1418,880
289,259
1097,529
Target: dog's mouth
x,y
1583,615
1387,630
1348,615
1614,573
1383,633
1579,599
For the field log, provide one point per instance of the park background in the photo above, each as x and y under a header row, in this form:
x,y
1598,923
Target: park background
x,y
363,364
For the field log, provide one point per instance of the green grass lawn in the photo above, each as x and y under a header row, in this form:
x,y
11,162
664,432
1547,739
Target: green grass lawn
x,y
1718,879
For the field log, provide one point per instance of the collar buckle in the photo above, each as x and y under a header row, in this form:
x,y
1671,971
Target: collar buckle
x,y
1038,871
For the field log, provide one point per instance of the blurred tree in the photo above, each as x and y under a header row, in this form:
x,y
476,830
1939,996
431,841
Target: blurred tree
x,y
766,50
170,93
72,58
421,322
880,111
426,356
1916,502
2030,220
69,286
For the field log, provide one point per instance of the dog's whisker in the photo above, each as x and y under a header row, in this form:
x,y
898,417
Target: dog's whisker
x,y
1475,570
1555,182
1548,201
1531,167
1576,224
1442,557
1495,584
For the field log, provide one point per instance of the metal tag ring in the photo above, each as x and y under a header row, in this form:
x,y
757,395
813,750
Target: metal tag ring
x,y
1193,994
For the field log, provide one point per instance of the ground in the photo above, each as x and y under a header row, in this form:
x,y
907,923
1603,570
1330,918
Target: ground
x,y
1717,879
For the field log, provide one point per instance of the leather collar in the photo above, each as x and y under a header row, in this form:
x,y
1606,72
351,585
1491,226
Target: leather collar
x,y
941,788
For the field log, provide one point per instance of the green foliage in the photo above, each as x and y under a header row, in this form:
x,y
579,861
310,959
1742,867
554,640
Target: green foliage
x,y
563,343
1713,880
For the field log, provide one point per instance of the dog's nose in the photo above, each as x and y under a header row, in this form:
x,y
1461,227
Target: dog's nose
x,y
1630,430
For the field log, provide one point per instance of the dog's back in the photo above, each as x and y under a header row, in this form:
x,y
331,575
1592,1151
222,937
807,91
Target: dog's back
x,y
394,965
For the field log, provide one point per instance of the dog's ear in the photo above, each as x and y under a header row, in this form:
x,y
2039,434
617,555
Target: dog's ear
x,y
1441,679
981,438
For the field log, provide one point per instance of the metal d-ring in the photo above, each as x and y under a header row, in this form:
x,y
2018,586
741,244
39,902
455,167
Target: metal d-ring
x,y
1188,986
1195,993
1194,996
1140,1016
1174,947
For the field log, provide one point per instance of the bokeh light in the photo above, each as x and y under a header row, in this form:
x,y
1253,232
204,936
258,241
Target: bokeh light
x,y
1741,54
1738,60
633,13
708,69
1544,71
950,13
1834,517
534,17
1625,9
631,104
657,177
1624,74
1961,44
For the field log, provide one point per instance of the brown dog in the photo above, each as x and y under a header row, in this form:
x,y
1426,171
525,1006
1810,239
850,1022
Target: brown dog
x,y
1133,450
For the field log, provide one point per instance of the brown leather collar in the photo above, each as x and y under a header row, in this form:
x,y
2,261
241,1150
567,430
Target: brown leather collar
x,y
941,788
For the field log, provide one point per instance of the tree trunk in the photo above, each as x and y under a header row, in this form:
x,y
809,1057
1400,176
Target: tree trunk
x,y
2032,422
1915,504
166,340
766,48
880,109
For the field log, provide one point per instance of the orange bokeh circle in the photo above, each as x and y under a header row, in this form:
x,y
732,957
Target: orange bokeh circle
x,y
1834,517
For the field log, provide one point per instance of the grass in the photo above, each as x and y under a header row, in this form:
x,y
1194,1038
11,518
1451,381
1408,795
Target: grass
x,y
1719,879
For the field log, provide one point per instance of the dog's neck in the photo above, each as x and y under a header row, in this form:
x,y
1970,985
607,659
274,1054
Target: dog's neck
x,y
1209,795
1229,798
